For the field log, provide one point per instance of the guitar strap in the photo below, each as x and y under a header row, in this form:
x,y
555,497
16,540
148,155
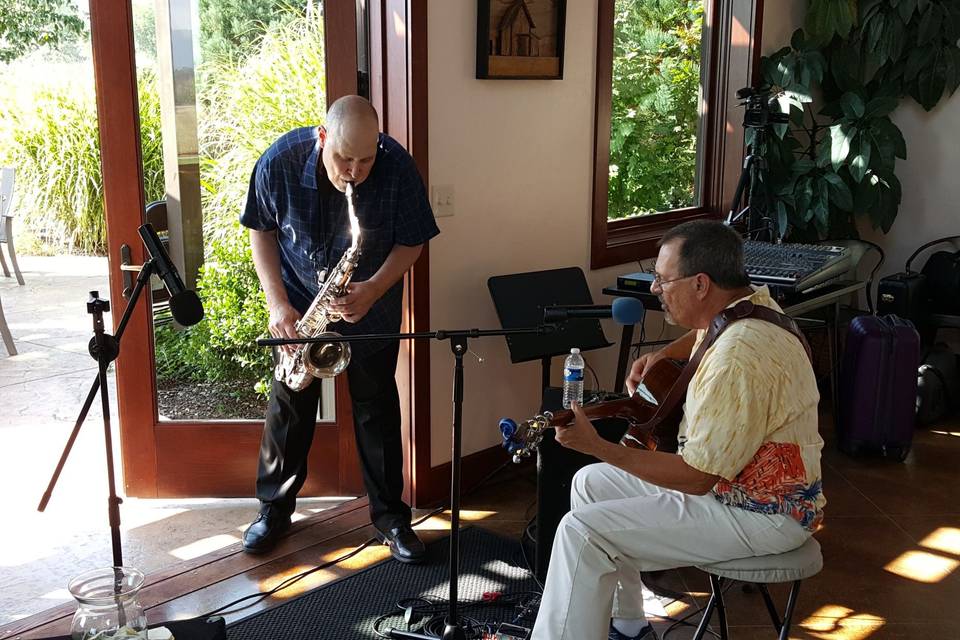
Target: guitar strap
x,y
741,310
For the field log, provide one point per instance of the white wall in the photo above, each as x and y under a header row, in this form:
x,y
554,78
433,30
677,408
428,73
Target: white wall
x,y
930,208
518,154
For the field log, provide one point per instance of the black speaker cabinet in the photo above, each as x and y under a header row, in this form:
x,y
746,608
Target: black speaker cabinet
x,y
556,466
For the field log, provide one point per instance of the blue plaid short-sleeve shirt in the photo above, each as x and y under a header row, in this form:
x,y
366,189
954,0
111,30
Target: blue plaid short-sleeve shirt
x,y
290,193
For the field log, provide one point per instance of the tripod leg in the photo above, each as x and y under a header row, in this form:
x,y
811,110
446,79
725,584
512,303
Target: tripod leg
x,y
73,436
114,502
744,186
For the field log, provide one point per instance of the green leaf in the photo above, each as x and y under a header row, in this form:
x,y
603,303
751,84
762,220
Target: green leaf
x,y
861,159
821,204
852,105
840,136
930,84
839,192
929,26
873,31
952,70
804,197
893,132
781,217
802,165
798,40
865,196
918,58
824,154
880,107
907,7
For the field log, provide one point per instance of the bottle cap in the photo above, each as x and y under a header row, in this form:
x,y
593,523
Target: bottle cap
x,y
574,350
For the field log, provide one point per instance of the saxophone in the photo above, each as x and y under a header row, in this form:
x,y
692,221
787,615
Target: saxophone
x,y
325,359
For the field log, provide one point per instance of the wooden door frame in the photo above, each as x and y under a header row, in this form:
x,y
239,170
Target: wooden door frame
x,y
145,442
398,90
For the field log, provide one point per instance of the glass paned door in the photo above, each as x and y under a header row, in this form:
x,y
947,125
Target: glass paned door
x,y
217,82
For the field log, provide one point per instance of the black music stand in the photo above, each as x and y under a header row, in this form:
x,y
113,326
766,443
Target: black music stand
x,y
520,299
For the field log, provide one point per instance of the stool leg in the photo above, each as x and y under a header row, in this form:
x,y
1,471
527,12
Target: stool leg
x,y
715,602
788,614
771,608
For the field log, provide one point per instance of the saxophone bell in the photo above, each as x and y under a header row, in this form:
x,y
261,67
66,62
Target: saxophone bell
x,y
326,359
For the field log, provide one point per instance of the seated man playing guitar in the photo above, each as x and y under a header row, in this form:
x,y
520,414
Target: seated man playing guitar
x,y
746,478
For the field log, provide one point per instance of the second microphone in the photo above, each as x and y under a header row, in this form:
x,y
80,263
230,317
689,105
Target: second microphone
x,y
625,311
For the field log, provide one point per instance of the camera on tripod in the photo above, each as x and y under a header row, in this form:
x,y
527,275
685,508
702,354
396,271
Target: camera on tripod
x,y
757,112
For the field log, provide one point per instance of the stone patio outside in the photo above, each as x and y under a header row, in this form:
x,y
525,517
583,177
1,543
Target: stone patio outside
x,y
42,390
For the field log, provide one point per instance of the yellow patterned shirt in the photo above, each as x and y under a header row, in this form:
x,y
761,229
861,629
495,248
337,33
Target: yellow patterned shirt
x,y
751,418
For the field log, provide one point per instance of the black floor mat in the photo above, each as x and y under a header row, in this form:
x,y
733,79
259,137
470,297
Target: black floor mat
x,y
348,609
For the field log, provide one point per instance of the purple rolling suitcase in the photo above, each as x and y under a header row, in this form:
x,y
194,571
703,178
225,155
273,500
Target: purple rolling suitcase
x,y
878,386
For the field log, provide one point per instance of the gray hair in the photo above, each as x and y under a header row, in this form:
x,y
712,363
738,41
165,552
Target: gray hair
x,y
710,247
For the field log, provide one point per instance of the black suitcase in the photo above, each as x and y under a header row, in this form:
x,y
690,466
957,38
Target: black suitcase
x,y
942,273
904,295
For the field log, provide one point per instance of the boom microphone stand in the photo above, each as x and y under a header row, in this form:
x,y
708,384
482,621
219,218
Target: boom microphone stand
x,y
458,345
104,348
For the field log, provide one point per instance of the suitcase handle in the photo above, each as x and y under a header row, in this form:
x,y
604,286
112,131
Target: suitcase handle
x,y
927,246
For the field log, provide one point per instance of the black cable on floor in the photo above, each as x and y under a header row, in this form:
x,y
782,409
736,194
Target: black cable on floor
x,y
428,615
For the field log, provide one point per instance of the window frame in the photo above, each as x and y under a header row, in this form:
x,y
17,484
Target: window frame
x,y
733,30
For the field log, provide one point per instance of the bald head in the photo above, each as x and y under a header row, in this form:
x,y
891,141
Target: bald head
x,y
351,116
349,138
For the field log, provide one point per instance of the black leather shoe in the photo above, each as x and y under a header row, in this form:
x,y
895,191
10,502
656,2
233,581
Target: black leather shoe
x,y
263,533
647,633
404,544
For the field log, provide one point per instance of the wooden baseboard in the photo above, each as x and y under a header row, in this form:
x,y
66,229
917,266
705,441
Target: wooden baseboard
x,y
435,489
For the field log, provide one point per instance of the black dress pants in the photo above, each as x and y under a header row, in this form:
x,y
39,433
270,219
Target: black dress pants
x,y
288,433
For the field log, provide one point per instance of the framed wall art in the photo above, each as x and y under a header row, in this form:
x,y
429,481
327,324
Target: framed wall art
x,y
519,39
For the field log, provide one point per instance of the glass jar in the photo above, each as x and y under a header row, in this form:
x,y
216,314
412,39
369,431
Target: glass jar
x,y
107,604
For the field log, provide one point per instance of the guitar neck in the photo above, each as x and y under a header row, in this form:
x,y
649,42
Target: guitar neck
x,y
624,406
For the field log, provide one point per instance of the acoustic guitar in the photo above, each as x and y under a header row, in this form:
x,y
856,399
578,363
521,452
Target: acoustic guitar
x,y
652,424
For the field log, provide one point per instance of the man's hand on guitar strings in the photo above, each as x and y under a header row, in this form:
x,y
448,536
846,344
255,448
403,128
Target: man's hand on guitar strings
x,y
579,435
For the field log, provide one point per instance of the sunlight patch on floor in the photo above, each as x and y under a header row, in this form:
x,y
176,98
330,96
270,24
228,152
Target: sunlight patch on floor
x,y
301,586
441,522
945,539
57,594
202,547
837,621
946,433
922,566
368,557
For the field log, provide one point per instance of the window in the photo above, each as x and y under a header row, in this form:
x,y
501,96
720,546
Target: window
x,y
668,141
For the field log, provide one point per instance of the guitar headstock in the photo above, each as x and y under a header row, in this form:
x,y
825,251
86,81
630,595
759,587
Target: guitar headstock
x,y
522,440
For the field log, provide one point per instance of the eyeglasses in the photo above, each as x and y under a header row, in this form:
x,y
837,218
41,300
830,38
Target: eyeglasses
x,y
659,282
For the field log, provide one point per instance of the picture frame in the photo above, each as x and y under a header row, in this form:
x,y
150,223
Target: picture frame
x,y
520,39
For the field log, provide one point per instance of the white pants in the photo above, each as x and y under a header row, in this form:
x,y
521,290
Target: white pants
x,y
618,526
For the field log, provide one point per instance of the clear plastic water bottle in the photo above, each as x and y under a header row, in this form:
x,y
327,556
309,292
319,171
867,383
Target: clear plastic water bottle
x,y
573,378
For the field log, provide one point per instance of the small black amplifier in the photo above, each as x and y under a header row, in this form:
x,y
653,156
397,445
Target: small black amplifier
x,y
640,282
903,294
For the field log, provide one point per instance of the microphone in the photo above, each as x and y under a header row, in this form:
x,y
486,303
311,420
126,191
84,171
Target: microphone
x,y
185,305
626,311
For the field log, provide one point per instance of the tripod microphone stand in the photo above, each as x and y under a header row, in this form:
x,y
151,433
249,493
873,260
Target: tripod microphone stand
x,y
453,630
750,180
104,348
